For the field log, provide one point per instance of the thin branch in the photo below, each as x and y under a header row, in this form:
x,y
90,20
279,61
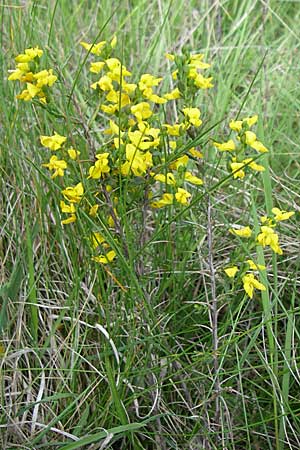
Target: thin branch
x,y
213,311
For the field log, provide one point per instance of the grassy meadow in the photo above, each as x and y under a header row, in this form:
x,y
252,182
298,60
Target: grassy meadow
x,y
158,349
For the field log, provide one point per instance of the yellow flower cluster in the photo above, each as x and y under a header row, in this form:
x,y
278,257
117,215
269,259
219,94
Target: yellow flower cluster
x,y
72,194
98,242
137,139
26,71
136,147
195,65
248,278
246,140
139,146
267,237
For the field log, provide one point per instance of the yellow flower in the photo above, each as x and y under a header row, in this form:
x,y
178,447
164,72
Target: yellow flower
x,y
118,142
140,139
73,153
57,165
70,219
33,89
193,116
251,140
16,74
43,99
173,95
241,232
167,178
109,109
281,215
53,142
97,239
251,120
29,55
266,220
182,161
45,78
100,167
69,209
141,111
250,137
137,161
192,179
231,271
148,81
29,93
97,66
114,97
173,130
253,165
96,49
111,222
113,42
116,70
195,153
113,129
182,196
237,169
236,125
250,283
148,93
21,73
170,56
149,131
105,84
173,145
129,88
268,237
73,194
93,210
174,74
255,266
115,63
200,81
167,199
197,63
105,259
228,146
24,67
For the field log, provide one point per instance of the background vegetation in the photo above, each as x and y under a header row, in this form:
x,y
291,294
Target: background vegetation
x,y
87,364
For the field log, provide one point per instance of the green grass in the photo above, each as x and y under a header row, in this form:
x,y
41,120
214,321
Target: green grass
x,y
87,364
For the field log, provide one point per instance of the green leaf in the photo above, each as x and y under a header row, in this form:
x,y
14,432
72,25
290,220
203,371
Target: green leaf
x,y
122,429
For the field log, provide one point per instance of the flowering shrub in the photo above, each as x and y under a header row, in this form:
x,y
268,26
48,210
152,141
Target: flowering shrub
x,y
150,151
